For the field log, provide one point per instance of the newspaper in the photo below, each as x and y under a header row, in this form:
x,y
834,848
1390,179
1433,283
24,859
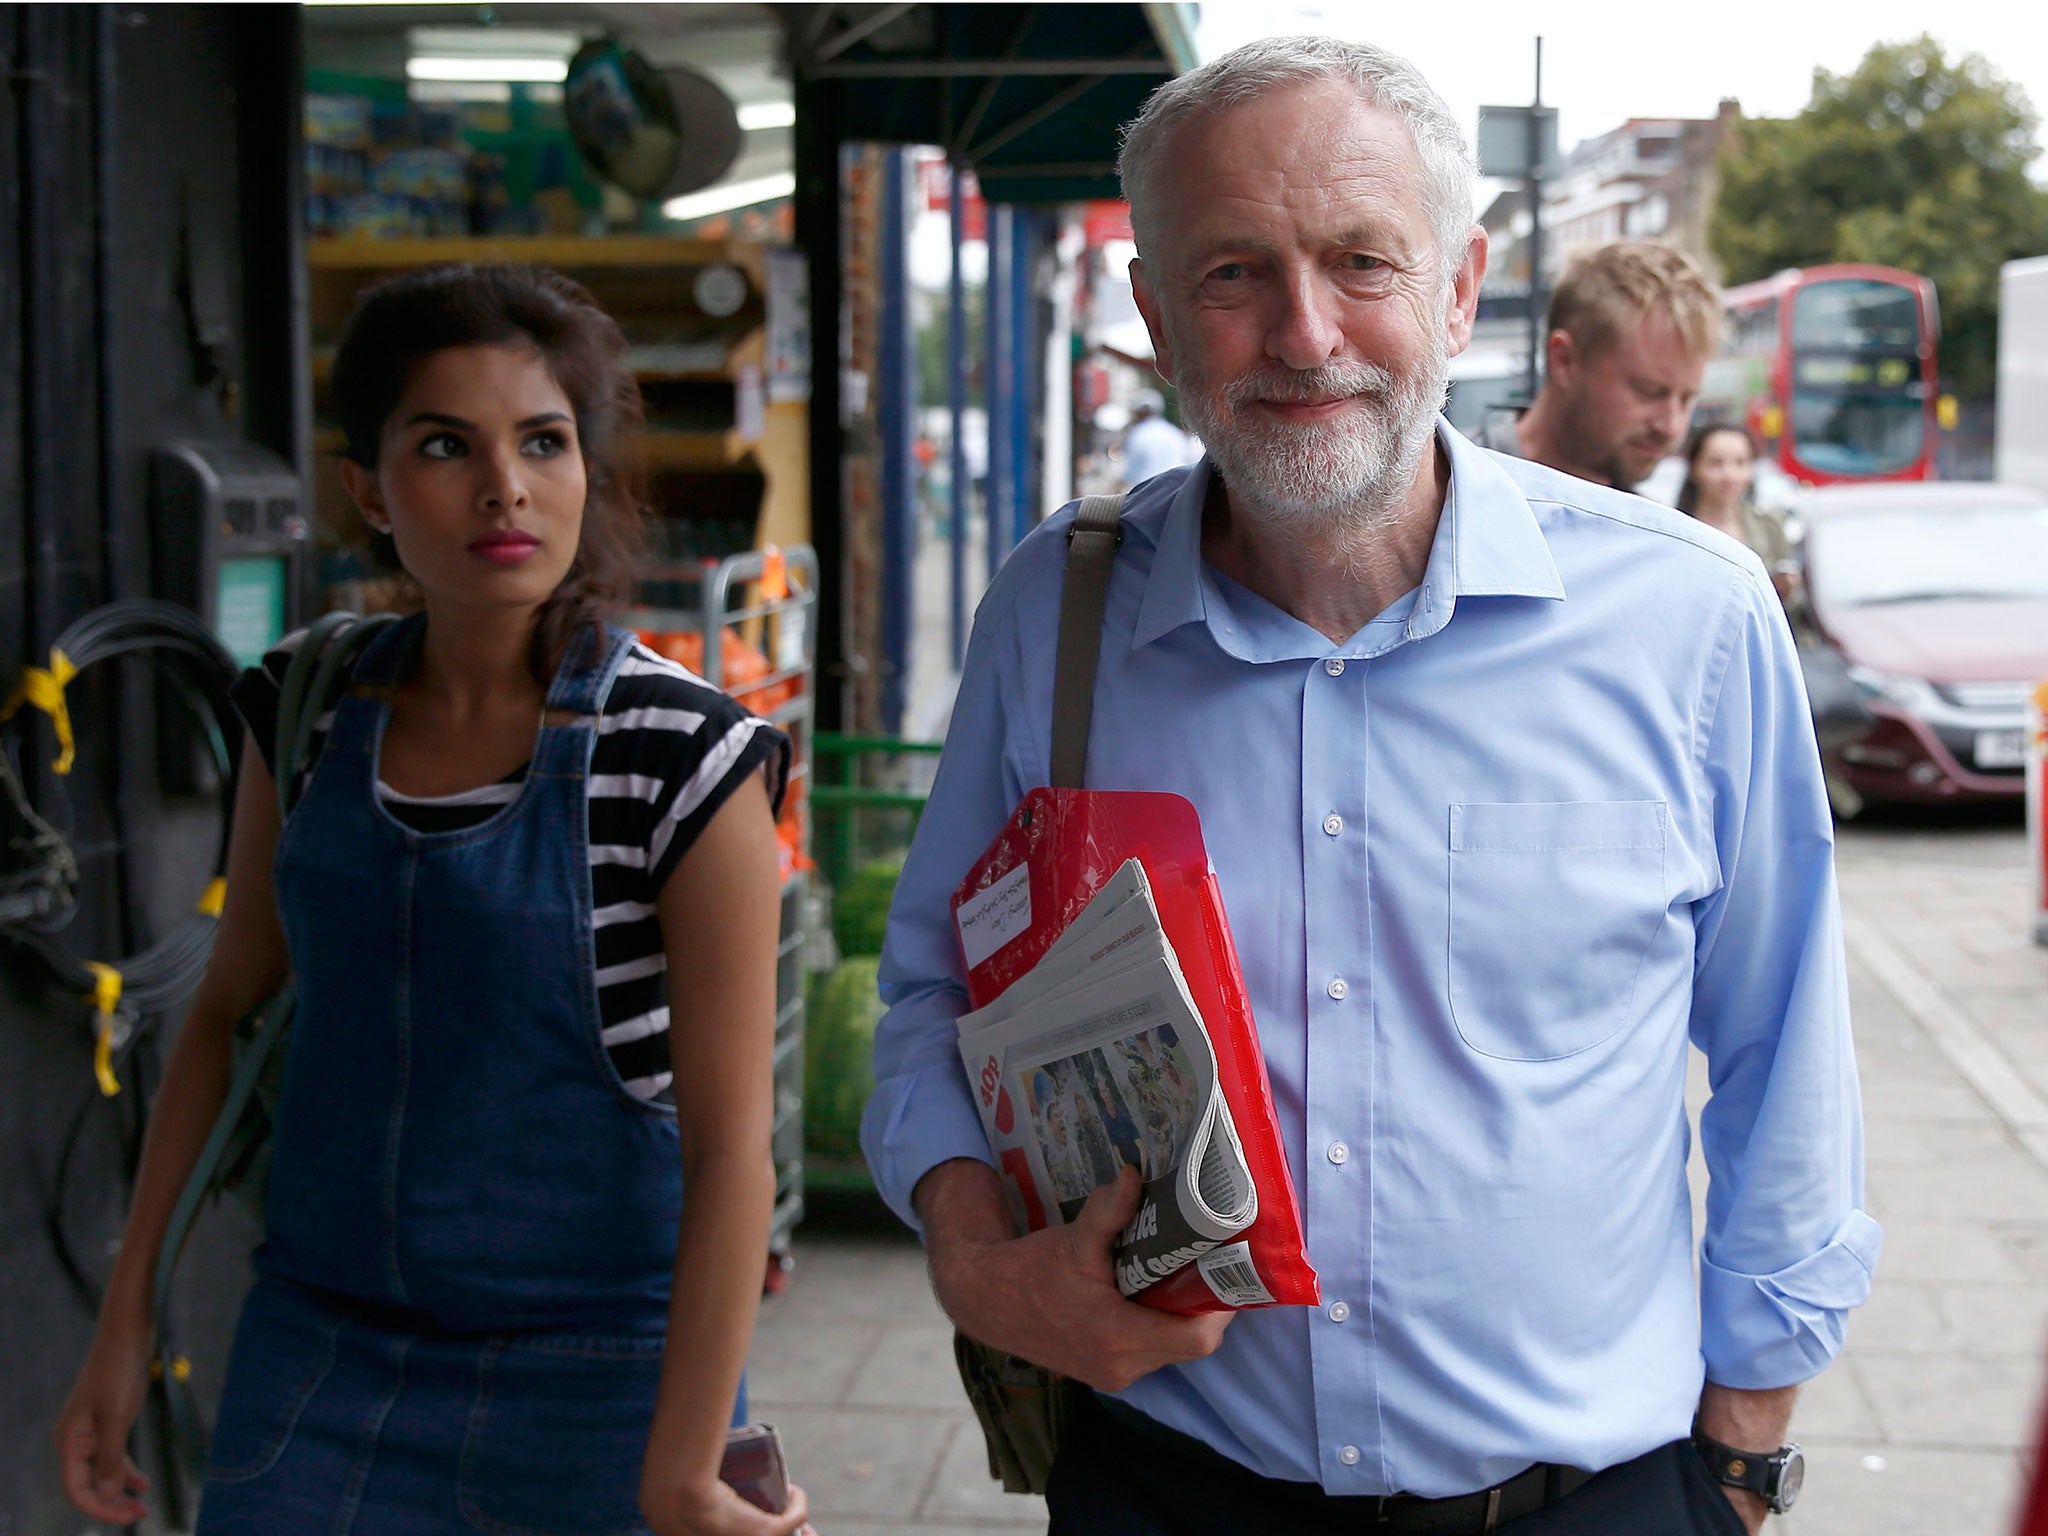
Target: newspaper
x,y
1098,1057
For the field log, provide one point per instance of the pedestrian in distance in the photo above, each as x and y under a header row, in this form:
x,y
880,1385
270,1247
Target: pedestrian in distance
x,y
1630,330
1510,793
528,897
1720,477
1152,444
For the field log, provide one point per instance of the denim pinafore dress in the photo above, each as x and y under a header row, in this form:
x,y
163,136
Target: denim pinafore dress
x,y
462,1294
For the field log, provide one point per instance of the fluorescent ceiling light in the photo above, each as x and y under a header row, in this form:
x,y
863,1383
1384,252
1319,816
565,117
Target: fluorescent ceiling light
x,y
488,92
493,42
756,115
733,194
442,67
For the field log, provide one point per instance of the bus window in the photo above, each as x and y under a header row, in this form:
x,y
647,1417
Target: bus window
x,y
1857,432
1855,312
1752,331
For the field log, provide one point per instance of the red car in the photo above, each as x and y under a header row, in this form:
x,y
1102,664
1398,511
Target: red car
x,y
1936,594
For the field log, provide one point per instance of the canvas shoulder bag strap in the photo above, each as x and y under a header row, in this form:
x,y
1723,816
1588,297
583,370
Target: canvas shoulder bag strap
x,y
1021,1405
1092,544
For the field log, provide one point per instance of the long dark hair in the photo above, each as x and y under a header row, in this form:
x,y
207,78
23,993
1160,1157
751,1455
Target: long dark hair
x,y
1689,493
399,322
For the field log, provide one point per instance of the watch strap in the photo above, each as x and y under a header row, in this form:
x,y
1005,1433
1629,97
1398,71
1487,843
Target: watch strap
x,y
1761,1472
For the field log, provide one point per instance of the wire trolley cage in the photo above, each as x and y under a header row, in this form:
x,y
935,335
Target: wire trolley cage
x,y
747,624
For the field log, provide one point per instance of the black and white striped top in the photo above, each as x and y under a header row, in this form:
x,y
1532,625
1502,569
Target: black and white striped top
x,y
670,750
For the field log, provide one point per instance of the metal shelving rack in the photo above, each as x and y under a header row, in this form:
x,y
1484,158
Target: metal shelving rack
x,y
768,597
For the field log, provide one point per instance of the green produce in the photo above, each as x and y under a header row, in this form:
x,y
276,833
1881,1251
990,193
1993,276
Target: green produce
x,y
841,1012
860,906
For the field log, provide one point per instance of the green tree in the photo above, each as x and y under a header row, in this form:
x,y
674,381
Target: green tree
x,y
931,346
1910,161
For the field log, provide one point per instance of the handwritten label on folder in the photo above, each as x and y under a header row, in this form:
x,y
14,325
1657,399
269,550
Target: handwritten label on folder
x,y
992,917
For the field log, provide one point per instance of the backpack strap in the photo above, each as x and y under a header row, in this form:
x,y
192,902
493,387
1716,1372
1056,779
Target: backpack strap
x,y
1092,544
317,672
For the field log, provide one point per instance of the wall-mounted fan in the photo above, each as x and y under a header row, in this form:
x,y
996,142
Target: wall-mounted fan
x,y
651,132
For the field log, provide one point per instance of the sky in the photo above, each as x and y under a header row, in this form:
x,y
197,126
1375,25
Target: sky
x,y
1605,62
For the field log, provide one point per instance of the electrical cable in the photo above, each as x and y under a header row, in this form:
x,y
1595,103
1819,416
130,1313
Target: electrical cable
x,y
200,672
39,882
41,877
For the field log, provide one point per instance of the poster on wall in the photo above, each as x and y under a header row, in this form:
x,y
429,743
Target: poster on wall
x,y
789,327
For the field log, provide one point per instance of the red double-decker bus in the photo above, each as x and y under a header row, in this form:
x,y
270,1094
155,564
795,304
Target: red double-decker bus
x,y
1832,368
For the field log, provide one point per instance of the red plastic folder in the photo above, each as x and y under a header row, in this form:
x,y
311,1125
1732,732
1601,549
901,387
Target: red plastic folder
x,y
1071,841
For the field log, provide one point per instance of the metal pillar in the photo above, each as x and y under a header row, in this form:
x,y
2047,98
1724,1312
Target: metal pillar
x,y
897,420
999,384
1538,333
1023,375
956,405
820,114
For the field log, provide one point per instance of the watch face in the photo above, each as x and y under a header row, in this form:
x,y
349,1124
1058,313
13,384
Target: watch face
x,y
1791,1477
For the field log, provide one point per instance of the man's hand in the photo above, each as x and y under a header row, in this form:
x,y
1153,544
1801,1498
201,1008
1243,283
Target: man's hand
x,y
1050,1297
1748,1421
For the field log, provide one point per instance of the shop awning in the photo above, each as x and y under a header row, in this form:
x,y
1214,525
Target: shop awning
x,y
1031,96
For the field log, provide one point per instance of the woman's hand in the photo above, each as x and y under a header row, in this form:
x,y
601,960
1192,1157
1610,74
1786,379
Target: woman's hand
x,y
719,1511
91,1434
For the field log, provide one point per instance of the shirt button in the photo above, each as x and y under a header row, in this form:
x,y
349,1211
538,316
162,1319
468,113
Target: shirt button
x,y
1339,1311
1339,1152
1333,823
1339,988
1334,666
1348,1455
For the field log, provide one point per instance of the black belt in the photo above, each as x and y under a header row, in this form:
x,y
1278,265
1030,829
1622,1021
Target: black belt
x,y
1392,1514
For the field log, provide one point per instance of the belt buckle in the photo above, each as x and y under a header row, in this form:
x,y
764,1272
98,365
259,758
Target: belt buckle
x,y
1385,1504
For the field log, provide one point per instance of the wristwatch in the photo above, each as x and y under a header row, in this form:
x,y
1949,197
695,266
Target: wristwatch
x,y
1775,1475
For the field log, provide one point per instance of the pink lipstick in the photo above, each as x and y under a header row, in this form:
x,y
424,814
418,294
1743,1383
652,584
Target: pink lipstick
x,y
504,546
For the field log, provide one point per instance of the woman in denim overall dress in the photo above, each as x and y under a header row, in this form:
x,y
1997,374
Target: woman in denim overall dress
x,y
498,1290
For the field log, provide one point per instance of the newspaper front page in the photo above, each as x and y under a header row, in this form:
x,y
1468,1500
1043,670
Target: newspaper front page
x,y
1098,1057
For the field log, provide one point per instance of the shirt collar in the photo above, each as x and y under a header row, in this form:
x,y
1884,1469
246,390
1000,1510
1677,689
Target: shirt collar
x,y
1173,591
1487,544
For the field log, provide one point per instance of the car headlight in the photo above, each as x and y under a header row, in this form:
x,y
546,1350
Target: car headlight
x,y
1912,694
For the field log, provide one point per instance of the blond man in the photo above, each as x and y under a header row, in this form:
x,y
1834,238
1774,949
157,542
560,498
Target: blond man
x,y
1631,328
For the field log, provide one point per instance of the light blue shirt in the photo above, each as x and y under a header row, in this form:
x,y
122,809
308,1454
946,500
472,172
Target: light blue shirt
x,y
1488,863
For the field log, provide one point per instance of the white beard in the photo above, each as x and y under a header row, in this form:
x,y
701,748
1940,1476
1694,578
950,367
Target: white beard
x,y
1338,482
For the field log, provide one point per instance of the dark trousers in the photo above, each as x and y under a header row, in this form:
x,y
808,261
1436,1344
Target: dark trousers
x,y
1120,1476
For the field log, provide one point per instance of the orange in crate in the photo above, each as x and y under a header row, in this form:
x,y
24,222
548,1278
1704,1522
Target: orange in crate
x,y
741,665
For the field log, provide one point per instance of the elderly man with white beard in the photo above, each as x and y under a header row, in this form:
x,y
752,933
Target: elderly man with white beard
x,y
1510,790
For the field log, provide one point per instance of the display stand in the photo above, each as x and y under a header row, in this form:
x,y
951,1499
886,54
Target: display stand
x,y
725,618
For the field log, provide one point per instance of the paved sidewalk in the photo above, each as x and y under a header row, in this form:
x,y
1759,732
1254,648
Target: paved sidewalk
x,y
1921,1427
1917,1431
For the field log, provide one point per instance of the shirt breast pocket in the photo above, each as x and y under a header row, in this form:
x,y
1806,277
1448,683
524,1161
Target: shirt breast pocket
x,y
1552,909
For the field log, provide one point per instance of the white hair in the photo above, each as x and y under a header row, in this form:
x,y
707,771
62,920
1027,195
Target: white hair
x,y
1245,74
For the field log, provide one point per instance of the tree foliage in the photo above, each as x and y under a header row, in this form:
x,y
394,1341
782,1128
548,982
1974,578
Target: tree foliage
x,y
1910,161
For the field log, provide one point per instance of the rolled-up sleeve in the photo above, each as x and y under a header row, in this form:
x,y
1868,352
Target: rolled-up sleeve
x,y
922,1112
1788,1250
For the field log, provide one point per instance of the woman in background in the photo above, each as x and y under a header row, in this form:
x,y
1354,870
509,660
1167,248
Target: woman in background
x,y
1720,473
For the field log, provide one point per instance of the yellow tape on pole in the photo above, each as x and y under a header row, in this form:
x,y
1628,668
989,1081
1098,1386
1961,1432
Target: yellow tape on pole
x,y
43,688
106,996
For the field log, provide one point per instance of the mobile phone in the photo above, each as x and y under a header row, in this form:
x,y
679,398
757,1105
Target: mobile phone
x,y
754,1468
